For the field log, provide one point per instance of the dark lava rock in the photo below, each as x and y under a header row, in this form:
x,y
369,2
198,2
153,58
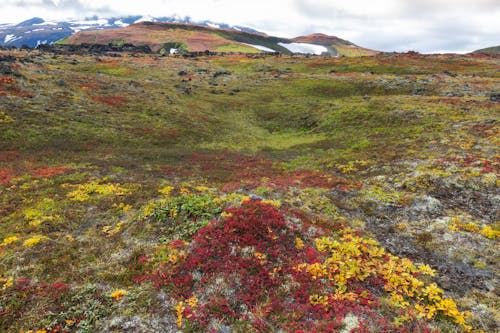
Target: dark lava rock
x,y
7,58
220,73
5,69
185,90
418,91
449,74
495,97
454,275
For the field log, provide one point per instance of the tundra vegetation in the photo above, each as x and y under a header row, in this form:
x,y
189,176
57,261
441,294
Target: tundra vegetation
x,y
141,193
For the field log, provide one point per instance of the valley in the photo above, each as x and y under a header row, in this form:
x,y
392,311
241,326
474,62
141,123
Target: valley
x,y
248,192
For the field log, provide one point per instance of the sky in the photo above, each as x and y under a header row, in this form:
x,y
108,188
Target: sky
x,y
427,26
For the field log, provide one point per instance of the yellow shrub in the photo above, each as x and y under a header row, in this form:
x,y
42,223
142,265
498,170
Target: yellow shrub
x,y
355,257
166,190
10,240
490,233
6,282
35,240
84,192
117,295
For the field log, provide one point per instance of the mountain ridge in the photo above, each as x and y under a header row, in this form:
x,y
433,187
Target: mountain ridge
x,y
189,37
36,31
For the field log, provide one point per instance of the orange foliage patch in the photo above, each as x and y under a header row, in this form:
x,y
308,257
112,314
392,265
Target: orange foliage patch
x,y
194,107
233,171
451,100
113,101
172,132
8,87
353,74
6,174
89,86
50,172
9,155
484,130
199,116
6,80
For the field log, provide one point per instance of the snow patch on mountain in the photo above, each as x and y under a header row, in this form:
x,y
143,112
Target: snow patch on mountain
x,y
84,27
101,22
146,18
120,23
305,48
11,38
40,42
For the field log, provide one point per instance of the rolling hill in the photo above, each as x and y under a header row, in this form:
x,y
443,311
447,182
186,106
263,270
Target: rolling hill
x,y
489,50
340,46
200,38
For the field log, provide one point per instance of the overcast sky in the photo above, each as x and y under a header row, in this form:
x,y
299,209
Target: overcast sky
x,y
387,25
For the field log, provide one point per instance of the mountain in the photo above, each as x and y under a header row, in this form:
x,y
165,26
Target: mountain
x,y
200,38
173,35
36,31
489,50
172,31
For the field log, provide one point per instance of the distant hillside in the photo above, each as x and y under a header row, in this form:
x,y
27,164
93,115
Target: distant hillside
x,y
340,46
200,38
489,50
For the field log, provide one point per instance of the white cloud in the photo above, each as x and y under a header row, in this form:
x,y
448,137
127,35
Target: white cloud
x,y
423,25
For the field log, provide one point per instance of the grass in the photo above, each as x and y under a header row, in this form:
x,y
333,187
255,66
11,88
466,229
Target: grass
x,y
349,51
103,163
236,48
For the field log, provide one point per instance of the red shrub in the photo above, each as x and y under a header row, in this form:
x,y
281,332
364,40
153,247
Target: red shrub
x,y
6,174
8,87
5,80
113,101
233,171
247,266
486,166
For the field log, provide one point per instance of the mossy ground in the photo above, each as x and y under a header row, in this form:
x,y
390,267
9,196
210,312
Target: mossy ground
x,y
104,159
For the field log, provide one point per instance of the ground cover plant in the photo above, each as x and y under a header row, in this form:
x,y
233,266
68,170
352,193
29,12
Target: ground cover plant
x,y
235,193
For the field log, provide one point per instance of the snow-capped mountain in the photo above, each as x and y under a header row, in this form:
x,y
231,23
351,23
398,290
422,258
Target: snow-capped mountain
x,y
36,31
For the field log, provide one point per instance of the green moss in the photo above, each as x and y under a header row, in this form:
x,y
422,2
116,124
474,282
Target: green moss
x,y
62,41
120,71
236,48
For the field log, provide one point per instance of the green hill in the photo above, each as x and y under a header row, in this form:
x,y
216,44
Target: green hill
x,y
489,50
